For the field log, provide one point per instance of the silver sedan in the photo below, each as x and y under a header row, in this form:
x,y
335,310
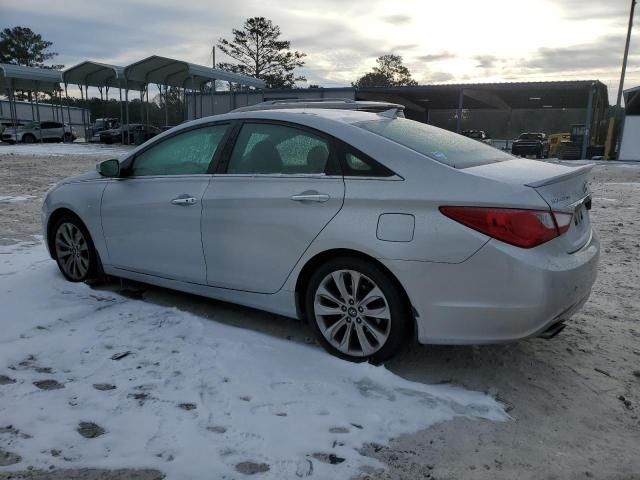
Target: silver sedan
x,y
373,229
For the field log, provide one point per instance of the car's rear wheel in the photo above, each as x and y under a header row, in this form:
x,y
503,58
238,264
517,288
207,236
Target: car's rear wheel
x,y
357,312
74,250
67,137
28,138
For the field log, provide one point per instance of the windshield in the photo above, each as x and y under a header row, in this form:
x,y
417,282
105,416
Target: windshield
x,y
530,136
30,125
441,145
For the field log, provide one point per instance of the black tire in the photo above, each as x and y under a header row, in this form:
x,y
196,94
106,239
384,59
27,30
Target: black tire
x,y
400,318
93,273
28,138
67,137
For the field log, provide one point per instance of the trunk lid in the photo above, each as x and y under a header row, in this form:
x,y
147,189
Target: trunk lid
x,y
563,188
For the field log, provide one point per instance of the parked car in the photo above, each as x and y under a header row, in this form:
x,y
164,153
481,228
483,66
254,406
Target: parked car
x,y
478,135
371,228
47,131
7,125
100,125
332,103
531,144
554,142
133,133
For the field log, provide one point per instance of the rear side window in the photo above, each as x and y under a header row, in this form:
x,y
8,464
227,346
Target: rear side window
x,y
278,149
188,153
441,145
357,164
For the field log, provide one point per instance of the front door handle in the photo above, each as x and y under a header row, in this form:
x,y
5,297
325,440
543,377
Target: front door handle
x,y
310,197
184,200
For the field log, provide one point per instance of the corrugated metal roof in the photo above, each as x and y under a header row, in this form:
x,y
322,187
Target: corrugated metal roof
x,y
154,69
29,78
97,74
177,73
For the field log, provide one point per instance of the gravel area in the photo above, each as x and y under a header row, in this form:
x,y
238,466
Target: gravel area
x,y
574,400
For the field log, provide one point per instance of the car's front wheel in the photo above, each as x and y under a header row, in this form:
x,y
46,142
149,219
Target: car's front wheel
x,y
74,251
28,138
357,312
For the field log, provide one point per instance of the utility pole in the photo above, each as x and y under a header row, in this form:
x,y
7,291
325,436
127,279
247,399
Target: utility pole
x,y
213,82
618,117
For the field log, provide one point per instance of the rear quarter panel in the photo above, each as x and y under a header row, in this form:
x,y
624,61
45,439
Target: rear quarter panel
x,y
422,186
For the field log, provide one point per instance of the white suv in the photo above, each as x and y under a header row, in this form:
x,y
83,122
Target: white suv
x,y
47,131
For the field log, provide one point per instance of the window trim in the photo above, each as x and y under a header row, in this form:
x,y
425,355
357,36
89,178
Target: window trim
x,y
332,170
127,165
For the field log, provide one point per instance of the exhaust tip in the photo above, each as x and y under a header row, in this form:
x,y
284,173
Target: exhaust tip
x,y
553,330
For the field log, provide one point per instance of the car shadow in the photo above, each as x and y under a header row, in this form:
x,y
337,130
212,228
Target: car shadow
x,y
215,310
480,367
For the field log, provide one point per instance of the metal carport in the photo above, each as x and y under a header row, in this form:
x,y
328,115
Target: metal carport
x,y
420,99
18,77
101,75
177,73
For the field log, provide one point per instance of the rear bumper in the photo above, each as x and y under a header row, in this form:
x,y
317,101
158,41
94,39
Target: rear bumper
x,y
526,149
501,294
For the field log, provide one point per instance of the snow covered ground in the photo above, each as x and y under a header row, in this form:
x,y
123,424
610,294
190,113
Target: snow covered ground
x,y
157,387
573,400
65,149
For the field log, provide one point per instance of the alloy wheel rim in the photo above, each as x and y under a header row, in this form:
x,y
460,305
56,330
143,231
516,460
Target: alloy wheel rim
x,y
352,313
72,250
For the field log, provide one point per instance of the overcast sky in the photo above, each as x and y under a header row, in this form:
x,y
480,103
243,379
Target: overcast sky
x,y
440,40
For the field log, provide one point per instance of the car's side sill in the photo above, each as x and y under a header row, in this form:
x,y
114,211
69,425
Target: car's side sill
x,y
280,303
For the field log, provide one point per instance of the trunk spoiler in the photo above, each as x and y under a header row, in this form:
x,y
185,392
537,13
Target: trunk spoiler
x,y
575,171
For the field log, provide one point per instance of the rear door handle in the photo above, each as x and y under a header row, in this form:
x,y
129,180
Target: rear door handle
x,y
310,197
184,200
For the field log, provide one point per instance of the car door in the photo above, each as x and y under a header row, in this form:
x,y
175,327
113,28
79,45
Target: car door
x,y
36,130
50,130
278,187
151,217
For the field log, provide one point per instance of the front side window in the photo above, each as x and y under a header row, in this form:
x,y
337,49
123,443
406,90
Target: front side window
x,y
278,149
188,153
441,145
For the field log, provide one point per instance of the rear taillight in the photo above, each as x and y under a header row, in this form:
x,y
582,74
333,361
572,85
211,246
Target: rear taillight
x,y
522,228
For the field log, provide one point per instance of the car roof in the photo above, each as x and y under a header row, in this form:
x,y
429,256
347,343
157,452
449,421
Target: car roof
x,y
295,115
311,117
321,103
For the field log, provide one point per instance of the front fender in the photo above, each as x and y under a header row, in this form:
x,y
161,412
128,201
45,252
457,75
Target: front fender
x,y
82,199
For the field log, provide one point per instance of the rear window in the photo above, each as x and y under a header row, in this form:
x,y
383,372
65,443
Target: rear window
x,y
530,136
441,145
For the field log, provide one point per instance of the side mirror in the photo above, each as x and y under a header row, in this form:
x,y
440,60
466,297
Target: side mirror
x,y
109,168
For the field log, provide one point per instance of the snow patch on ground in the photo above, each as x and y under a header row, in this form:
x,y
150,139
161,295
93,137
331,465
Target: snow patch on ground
x,y
65,149
193,398
16,199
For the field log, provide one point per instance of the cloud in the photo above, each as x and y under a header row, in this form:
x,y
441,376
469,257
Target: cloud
x,y
604,53
435,57
486,61
398,49
439,77
397,19
584,9
342,39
